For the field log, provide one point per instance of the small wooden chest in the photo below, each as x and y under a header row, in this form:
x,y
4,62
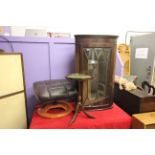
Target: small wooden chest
x,y
143,121
135,101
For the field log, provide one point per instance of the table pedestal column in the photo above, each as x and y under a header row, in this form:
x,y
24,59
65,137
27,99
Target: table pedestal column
x,y
80,104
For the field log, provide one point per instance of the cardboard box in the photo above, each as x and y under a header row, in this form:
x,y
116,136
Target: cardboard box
x,y
143,121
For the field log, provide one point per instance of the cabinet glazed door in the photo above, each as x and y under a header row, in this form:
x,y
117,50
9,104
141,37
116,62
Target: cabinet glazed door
x,y
96,62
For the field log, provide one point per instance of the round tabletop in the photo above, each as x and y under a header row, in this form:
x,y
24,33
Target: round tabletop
x,y
79,76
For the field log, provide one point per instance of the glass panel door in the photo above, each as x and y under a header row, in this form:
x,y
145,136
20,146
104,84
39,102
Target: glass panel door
x,y
97,64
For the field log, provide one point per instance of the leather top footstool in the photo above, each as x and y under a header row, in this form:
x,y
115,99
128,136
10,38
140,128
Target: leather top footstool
x,y
54,95
51,90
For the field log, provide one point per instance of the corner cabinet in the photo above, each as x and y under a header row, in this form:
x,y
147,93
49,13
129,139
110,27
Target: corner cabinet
x,y
95,56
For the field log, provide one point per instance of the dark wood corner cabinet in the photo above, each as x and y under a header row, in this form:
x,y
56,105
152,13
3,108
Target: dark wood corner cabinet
x,y
95,56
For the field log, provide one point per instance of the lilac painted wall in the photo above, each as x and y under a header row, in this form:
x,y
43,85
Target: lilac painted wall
x,y
119,65
36,67
44,59
7,30
62,60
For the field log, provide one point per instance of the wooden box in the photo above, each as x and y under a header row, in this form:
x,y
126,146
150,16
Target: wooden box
x,y
135,101
143,121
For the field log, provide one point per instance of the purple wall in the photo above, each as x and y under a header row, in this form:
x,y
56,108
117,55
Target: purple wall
x,y
119,65
62,60
44,59
7,30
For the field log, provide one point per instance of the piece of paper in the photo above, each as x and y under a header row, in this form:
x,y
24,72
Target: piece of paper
x,y
141,53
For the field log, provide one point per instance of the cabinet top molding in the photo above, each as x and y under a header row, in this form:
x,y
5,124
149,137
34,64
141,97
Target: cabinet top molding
x,y
94,36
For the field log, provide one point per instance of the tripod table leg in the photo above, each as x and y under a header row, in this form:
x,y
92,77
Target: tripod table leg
x,y
75,114
88,115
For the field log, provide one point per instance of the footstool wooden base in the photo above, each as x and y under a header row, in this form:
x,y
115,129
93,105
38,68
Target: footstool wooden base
x,y
44,111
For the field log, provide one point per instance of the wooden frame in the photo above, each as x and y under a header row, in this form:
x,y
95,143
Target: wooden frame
x,y
22,91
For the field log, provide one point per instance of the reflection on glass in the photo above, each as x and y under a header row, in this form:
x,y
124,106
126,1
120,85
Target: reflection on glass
x,y
96,61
